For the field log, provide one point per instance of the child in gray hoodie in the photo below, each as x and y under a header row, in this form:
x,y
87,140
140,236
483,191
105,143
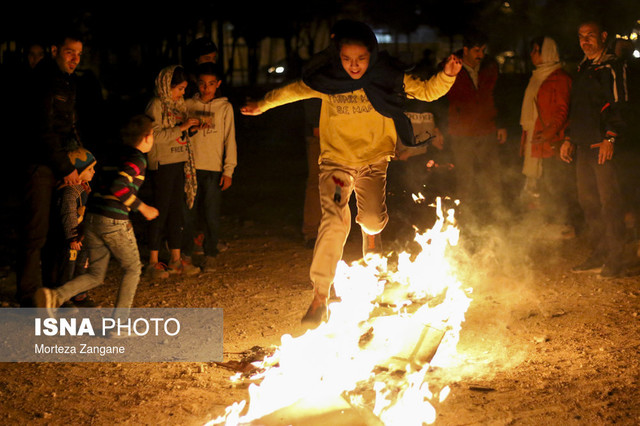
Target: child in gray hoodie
x,y
214,149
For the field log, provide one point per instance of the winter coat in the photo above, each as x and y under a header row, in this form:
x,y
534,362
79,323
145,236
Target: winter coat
x,y
597,100
552,102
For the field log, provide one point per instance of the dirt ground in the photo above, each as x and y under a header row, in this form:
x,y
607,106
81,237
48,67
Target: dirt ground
x,y
539,345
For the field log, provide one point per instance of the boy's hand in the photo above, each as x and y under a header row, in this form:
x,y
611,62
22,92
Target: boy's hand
x,y
75,245
251,108
147,211
453,66
225,182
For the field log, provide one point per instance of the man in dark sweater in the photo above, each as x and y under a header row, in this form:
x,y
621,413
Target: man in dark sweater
x,y
108,230
597,96
50,102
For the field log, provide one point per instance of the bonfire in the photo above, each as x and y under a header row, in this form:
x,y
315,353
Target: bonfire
x,y
394,322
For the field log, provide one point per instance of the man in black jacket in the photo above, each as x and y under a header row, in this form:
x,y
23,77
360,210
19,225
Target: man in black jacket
x,y
50,100
596,124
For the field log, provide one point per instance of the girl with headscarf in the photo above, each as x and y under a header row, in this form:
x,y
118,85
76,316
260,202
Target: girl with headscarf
x,y
361,118
544,118
172,170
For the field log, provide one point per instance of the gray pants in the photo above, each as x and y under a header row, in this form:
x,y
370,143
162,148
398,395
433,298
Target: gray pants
x,y
336,183
105,237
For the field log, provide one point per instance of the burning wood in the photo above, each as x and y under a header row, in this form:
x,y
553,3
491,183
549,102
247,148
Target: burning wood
x,y
372,356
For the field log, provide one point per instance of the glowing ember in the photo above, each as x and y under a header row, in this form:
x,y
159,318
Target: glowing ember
x,y
374,352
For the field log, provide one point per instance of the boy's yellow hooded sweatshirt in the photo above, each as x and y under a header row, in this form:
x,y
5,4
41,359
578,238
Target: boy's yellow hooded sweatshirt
x,y
352,132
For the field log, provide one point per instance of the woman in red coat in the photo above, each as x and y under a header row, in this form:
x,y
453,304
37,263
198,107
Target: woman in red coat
x,y
544,118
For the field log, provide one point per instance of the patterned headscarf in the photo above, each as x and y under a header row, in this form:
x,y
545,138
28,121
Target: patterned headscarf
x,y
171,109
174,112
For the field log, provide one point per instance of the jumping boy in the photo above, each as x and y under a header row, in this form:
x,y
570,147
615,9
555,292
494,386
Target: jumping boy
x,y
108,230
360,120
214,150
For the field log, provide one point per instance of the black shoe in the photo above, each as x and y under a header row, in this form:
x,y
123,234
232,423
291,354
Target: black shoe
x,y
612,271
317,312
592,264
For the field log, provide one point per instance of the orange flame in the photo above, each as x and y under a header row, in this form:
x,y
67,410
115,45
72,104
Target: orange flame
x,y
375,350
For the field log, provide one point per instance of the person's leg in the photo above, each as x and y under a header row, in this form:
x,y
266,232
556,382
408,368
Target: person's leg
x,y
336,185
193,216
98,260
175,214
590,202
370,189
161,200
312,212
612,214
175,221
463,154
40,183
124,247
67,268
211,208
488,175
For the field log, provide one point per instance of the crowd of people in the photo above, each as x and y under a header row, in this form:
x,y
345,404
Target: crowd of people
x,y
71,227
363,109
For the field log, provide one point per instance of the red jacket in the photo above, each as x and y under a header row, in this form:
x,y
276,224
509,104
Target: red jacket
x,y
552,102
472,111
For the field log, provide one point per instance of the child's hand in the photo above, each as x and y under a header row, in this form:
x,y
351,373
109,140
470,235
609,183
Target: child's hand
x,y
251,108
192,122
75,245
453,66
225,182
147,211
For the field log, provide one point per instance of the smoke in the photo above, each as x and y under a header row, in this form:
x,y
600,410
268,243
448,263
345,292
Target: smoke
x,y
504,262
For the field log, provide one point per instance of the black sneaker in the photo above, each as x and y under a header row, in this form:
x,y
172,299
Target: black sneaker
x,y
612,271
317,312
592,264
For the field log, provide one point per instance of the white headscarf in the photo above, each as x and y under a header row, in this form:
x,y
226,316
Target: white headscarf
x,y
550,63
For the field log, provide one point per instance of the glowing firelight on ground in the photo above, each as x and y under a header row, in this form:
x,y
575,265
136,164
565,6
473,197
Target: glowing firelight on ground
x,y
375,351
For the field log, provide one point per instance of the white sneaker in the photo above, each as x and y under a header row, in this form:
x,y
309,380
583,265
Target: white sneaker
x,y
47,298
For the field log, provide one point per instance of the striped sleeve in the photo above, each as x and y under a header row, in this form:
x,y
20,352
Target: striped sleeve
x,y
128,181
613,80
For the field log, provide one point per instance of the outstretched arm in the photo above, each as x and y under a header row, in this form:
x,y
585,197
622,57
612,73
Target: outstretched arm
x,y
251,108
453,66
437,86
292,92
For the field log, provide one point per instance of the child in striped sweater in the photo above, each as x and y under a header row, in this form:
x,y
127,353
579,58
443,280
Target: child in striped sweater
x,y
108,230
